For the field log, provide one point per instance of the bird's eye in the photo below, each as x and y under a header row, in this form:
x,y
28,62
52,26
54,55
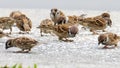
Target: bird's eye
x,y
55,10
104,41
58,13
51,10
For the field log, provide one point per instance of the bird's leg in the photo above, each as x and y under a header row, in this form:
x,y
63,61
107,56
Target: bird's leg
x,y
60,38
52,34
41,32
27,32
20,32
83,28
104,30
18,52
29,49
22,51
23,32
105,47
10,30
25,51
94,33
67,40
115,45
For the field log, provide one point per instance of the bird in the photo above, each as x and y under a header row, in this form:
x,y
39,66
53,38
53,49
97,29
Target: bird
x,y
23,23
56,15
64,31
108,39
46,23
24,43
106,17
6,23
96,23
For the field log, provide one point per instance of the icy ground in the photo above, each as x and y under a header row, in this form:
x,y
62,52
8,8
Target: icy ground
x,y
84,52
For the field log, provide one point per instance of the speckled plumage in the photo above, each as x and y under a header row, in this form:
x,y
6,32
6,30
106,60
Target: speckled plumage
x,y
46,23
64,31
56,15
6,23
24,43
108,39
24,23
96,23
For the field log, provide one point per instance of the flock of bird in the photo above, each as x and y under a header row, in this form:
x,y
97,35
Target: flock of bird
x,y
59,24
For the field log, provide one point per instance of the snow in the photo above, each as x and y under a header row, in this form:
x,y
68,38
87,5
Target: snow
x,y
84,52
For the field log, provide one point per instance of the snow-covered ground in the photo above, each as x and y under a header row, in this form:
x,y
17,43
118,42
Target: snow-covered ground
x,y
84,52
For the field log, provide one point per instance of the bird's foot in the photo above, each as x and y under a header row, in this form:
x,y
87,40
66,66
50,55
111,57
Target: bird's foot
x,y
105,47
21,51
68,40
94,33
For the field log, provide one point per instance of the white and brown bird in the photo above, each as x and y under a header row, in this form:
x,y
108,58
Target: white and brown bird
x,y
24,43
24,23
56,16
95,23
64,31
45,23
108,39
6,23
106,17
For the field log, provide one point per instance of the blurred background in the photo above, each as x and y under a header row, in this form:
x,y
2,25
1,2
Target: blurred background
x,y
62,4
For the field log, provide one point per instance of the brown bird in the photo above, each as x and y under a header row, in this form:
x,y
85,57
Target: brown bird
x,y
106,17
24,43
15,14
108,39
45,23
24,23
56,15
94,23
64,31
6,23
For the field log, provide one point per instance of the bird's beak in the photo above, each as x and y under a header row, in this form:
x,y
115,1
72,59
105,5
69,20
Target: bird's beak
x,y
53,14
6,47
99,43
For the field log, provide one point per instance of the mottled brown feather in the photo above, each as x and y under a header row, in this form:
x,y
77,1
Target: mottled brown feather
x,y
6,23
24,43
108,39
